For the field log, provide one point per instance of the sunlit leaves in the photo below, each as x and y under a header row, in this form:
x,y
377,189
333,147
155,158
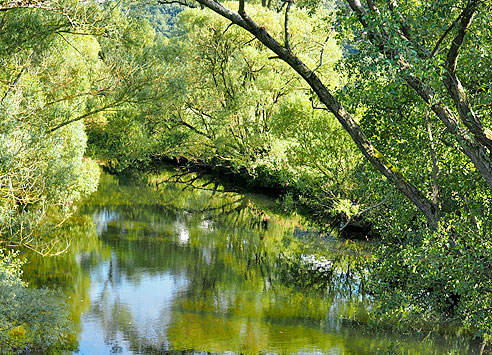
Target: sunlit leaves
x,y
46,79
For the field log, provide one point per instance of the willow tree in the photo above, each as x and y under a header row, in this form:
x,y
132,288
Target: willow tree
x,y
422,43
45,81
64,66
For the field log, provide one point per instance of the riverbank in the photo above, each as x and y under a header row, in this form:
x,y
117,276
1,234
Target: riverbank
x,y
300,194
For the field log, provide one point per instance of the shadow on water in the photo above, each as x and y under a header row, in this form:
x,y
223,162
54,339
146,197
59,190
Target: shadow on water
x,y
155,269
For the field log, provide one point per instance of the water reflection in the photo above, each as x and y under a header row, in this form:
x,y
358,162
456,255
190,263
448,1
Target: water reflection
x,y
161,270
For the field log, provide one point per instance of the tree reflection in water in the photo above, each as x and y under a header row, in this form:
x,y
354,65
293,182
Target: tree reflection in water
x,y
210,270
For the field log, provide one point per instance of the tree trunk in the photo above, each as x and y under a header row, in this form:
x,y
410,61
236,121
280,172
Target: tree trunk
x,y
378,161
474,140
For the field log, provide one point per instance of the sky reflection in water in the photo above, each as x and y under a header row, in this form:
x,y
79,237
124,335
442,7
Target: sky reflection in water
x,y
162,270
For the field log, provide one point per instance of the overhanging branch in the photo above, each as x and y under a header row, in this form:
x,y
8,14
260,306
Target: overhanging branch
x,y
380,162
365,210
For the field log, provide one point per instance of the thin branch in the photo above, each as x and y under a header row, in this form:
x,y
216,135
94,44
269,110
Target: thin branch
x,y
82,94
287,33
281,7
322,52
68,42
182,3
248,42
466,18
366,210
81,117
227,28
443,36
181,122
16,81
316,107
241,7
8,8
39,6
194,129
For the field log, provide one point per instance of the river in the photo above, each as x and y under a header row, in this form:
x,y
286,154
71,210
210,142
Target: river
x,y
155,269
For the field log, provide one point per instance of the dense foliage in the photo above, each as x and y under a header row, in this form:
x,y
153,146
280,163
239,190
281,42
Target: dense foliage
x,y
378,111
438,274
46,75
34,319
225,103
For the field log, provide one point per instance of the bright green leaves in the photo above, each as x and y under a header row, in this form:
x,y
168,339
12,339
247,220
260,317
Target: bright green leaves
x,y
10,269
432,277
135,92
318,146
33,319
46,79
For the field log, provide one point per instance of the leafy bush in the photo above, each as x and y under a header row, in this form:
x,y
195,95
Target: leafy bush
x,y
30,320
424,278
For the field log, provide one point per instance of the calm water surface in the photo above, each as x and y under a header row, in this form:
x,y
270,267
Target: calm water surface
x,y
157,270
